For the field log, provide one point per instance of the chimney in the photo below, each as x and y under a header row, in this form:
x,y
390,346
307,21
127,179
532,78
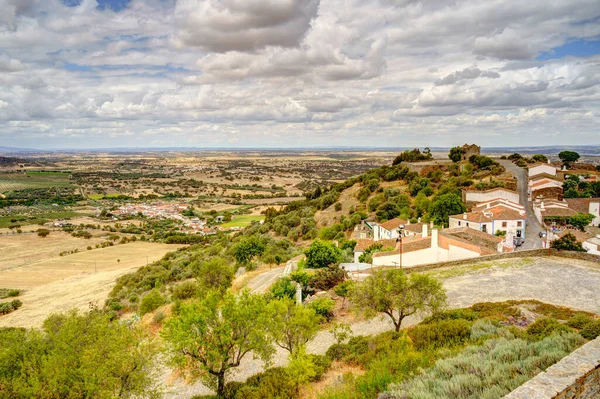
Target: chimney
x,y
434,238
465,216
424,233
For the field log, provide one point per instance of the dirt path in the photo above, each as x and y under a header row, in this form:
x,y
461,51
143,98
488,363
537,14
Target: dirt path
x,y
557,281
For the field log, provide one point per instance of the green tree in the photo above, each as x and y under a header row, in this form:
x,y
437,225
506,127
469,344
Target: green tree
x,y
77,356
568,242
540,158
214,274
322,254
283,287
568,157
445,206
393,293
455,154
581,220
248,248
292,325
211,337
151,301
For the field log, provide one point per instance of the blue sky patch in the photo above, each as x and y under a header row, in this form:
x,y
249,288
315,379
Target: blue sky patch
x,y
114,5
76,68
574,48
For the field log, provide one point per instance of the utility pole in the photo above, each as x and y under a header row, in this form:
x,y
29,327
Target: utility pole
x,y
399,239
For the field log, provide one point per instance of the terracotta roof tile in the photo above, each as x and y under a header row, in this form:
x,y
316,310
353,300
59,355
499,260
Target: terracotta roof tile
x,y
475,217
581,205
393,224
411,246
581,236
566,212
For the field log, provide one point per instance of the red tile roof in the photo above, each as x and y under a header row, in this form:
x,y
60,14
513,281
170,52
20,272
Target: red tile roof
x,y
363,244
393,224
581,205
475,217
565,212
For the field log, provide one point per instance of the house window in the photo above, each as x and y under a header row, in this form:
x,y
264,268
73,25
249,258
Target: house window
x,y
484,228
467,224
519,224
504,224
459,223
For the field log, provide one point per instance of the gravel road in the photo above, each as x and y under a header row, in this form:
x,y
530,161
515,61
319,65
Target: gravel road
x,y
558,281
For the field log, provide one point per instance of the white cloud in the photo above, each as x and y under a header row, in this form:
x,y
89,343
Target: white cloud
x,y
295,72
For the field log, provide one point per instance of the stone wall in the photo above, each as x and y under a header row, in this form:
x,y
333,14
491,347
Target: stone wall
x,y
577,376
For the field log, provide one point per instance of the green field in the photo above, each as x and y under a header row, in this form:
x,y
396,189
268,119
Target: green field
x,y
21,181
243,220
97,197
6,221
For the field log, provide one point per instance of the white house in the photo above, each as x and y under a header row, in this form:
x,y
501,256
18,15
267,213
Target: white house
x,y
592,245
491,194
387,230
440,246
540,168
492,216
545,187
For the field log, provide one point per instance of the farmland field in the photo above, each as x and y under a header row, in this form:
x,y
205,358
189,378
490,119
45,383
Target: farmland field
x,y
243,220
74,281
21,181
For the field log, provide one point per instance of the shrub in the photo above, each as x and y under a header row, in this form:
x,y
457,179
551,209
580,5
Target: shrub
x,y
328,277
284,287
546,326
16,304
579,320
187,289
43,232
452,314
158,317
273,383
6,307
12,293
591,330
323,306
490,370
338,207
444,333
151,302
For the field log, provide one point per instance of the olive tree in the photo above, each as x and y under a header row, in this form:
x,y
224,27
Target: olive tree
x,y
393,293
292,325
208,338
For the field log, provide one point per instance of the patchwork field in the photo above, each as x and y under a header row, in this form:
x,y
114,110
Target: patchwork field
x,y
20,181
243,220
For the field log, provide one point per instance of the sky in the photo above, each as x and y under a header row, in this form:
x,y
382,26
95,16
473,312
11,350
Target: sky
x,y
298,73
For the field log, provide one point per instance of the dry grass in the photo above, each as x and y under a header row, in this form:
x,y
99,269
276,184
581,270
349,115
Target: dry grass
x,y
58,285
331,378
348,199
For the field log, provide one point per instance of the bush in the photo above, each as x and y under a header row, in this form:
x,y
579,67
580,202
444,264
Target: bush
x,y
13,293
284,287
445,333
579,320
43,232
158,317
273,383
151,302
6,307
591,330
546,326
327,278
187,289
323,306
452,314
338,207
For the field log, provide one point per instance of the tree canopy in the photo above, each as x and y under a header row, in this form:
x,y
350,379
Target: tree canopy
x,y
568,157
568,242
77,356
322,254
292,325
455,154
397,295
445,206
209,337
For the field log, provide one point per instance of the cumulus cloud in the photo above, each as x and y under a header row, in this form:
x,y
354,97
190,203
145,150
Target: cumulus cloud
x,y
508,44
466,74
243,25
292,72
